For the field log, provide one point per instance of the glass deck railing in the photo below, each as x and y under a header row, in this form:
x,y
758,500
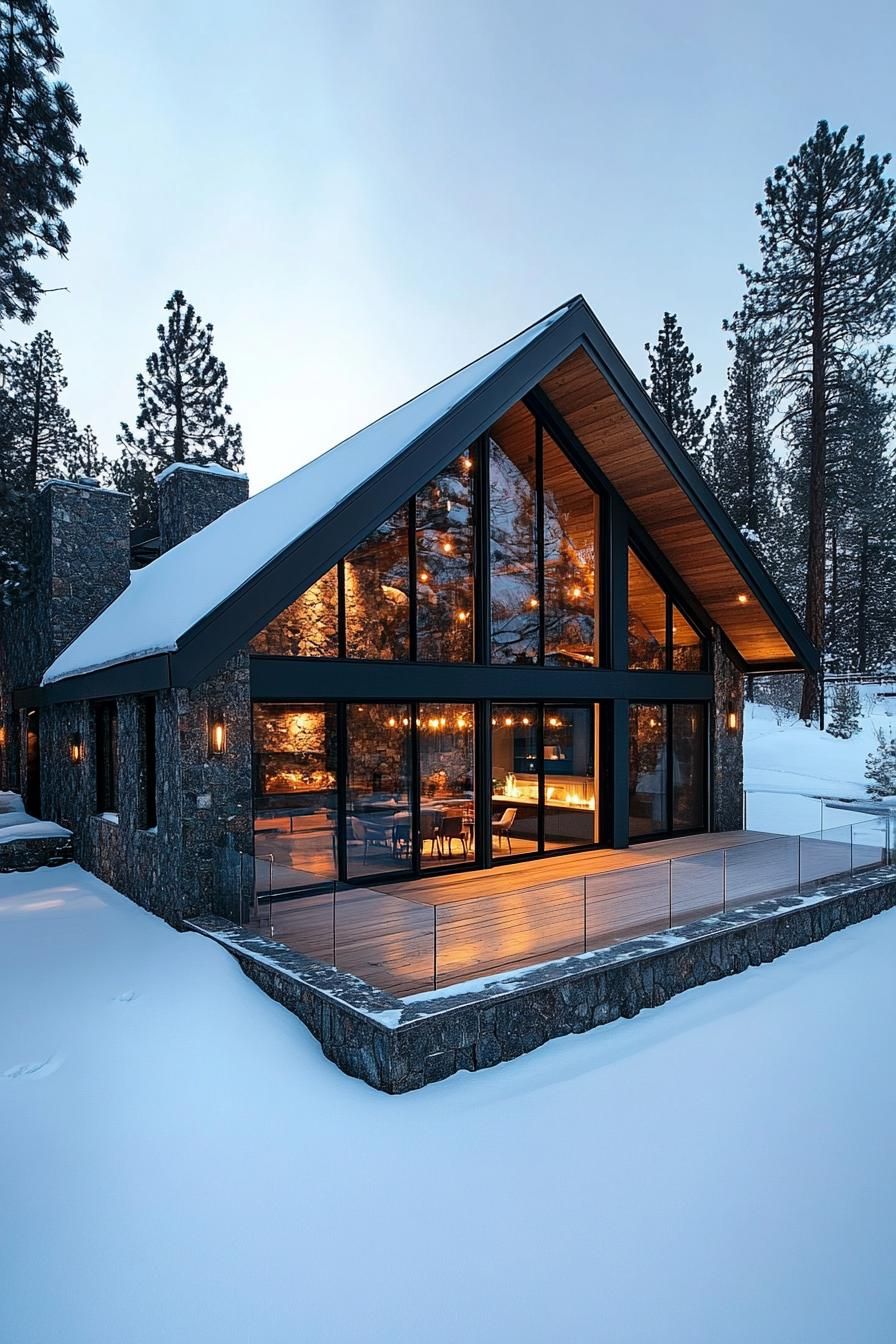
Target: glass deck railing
x,y
406,945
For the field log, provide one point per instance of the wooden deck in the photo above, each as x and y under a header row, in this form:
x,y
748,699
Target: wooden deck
x,y
412,937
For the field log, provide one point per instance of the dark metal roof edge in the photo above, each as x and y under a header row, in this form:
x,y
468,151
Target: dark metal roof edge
x,y
137,677
638,403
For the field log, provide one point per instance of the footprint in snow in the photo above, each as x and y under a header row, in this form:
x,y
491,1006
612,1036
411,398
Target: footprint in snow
x,y
127,997
41,1069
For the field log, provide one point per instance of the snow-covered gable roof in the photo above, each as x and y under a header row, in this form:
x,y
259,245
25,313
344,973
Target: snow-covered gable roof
x,y
170,596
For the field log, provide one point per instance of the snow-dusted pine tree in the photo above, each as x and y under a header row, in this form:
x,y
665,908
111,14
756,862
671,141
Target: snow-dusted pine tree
x,y
673,390
40,160
880,766
182,416
744,471
846,711
824,298
37,429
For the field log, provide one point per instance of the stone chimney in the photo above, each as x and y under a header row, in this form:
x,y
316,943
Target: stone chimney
x,y
81,560
191,497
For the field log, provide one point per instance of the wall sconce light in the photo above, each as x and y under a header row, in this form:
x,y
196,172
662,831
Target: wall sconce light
x,y
217,735
2,734
75,749
731,717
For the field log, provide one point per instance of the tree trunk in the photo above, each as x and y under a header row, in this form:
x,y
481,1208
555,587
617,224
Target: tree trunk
x,y
835,596
752,504
862,610
35,423
178,418
815,567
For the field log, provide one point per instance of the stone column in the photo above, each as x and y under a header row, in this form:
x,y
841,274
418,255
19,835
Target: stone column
x,y
727,744
191,497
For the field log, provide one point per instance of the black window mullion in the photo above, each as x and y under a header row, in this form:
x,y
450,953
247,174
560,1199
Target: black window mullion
x,y
412,577
539,536
541,788
482,555
414,786
670,766
668,632
341,791
340,609
482,815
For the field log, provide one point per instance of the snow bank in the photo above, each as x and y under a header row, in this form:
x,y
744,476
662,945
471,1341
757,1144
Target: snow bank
x,y
30,830
181,1164
788,766
168,597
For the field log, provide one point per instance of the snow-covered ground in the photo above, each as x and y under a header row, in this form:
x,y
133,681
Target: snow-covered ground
x,y
179,1163
787,766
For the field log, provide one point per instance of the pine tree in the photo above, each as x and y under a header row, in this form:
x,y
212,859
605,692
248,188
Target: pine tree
x,y
673,390
846,712
861,629
40,161
743,468
183,416
133,477
36,429
84,457
880,766
823,298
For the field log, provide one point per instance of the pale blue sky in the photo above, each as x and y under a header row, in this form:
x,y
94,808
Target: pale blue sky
x,y
363,196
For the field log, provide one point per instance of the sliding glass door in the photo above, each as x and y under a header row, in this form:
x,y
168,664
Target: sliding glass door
x,y
543,778
667,769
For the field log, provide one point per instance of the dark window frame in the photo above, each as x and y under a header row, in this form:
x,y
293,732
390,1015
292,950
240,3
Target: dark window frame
x,y
674,600
148,799
668,708
105,737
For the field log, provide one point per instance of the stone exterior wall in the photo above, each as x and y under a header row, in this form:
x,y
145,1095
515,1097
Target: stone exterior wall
x,y
726,744
191,497
203,802
80,563
397,1046
79,556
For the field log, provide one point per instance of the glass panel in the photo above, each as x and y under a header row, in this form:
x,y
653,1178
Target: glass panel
x,y
294,763
514,780
376,593
687,646
513,540
445,541
698,886
309,627
568,776
570,550
646,618
446,737
378,822
647,770
688,767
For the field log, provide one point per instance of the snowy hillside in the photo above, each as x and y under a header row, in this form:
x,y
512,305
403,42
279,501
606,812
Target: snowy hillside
x,y
787,766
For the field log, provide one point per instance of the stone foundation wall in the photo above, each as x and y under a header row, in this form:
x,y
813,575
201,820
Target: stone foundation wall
x,y
397,1046
46,851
